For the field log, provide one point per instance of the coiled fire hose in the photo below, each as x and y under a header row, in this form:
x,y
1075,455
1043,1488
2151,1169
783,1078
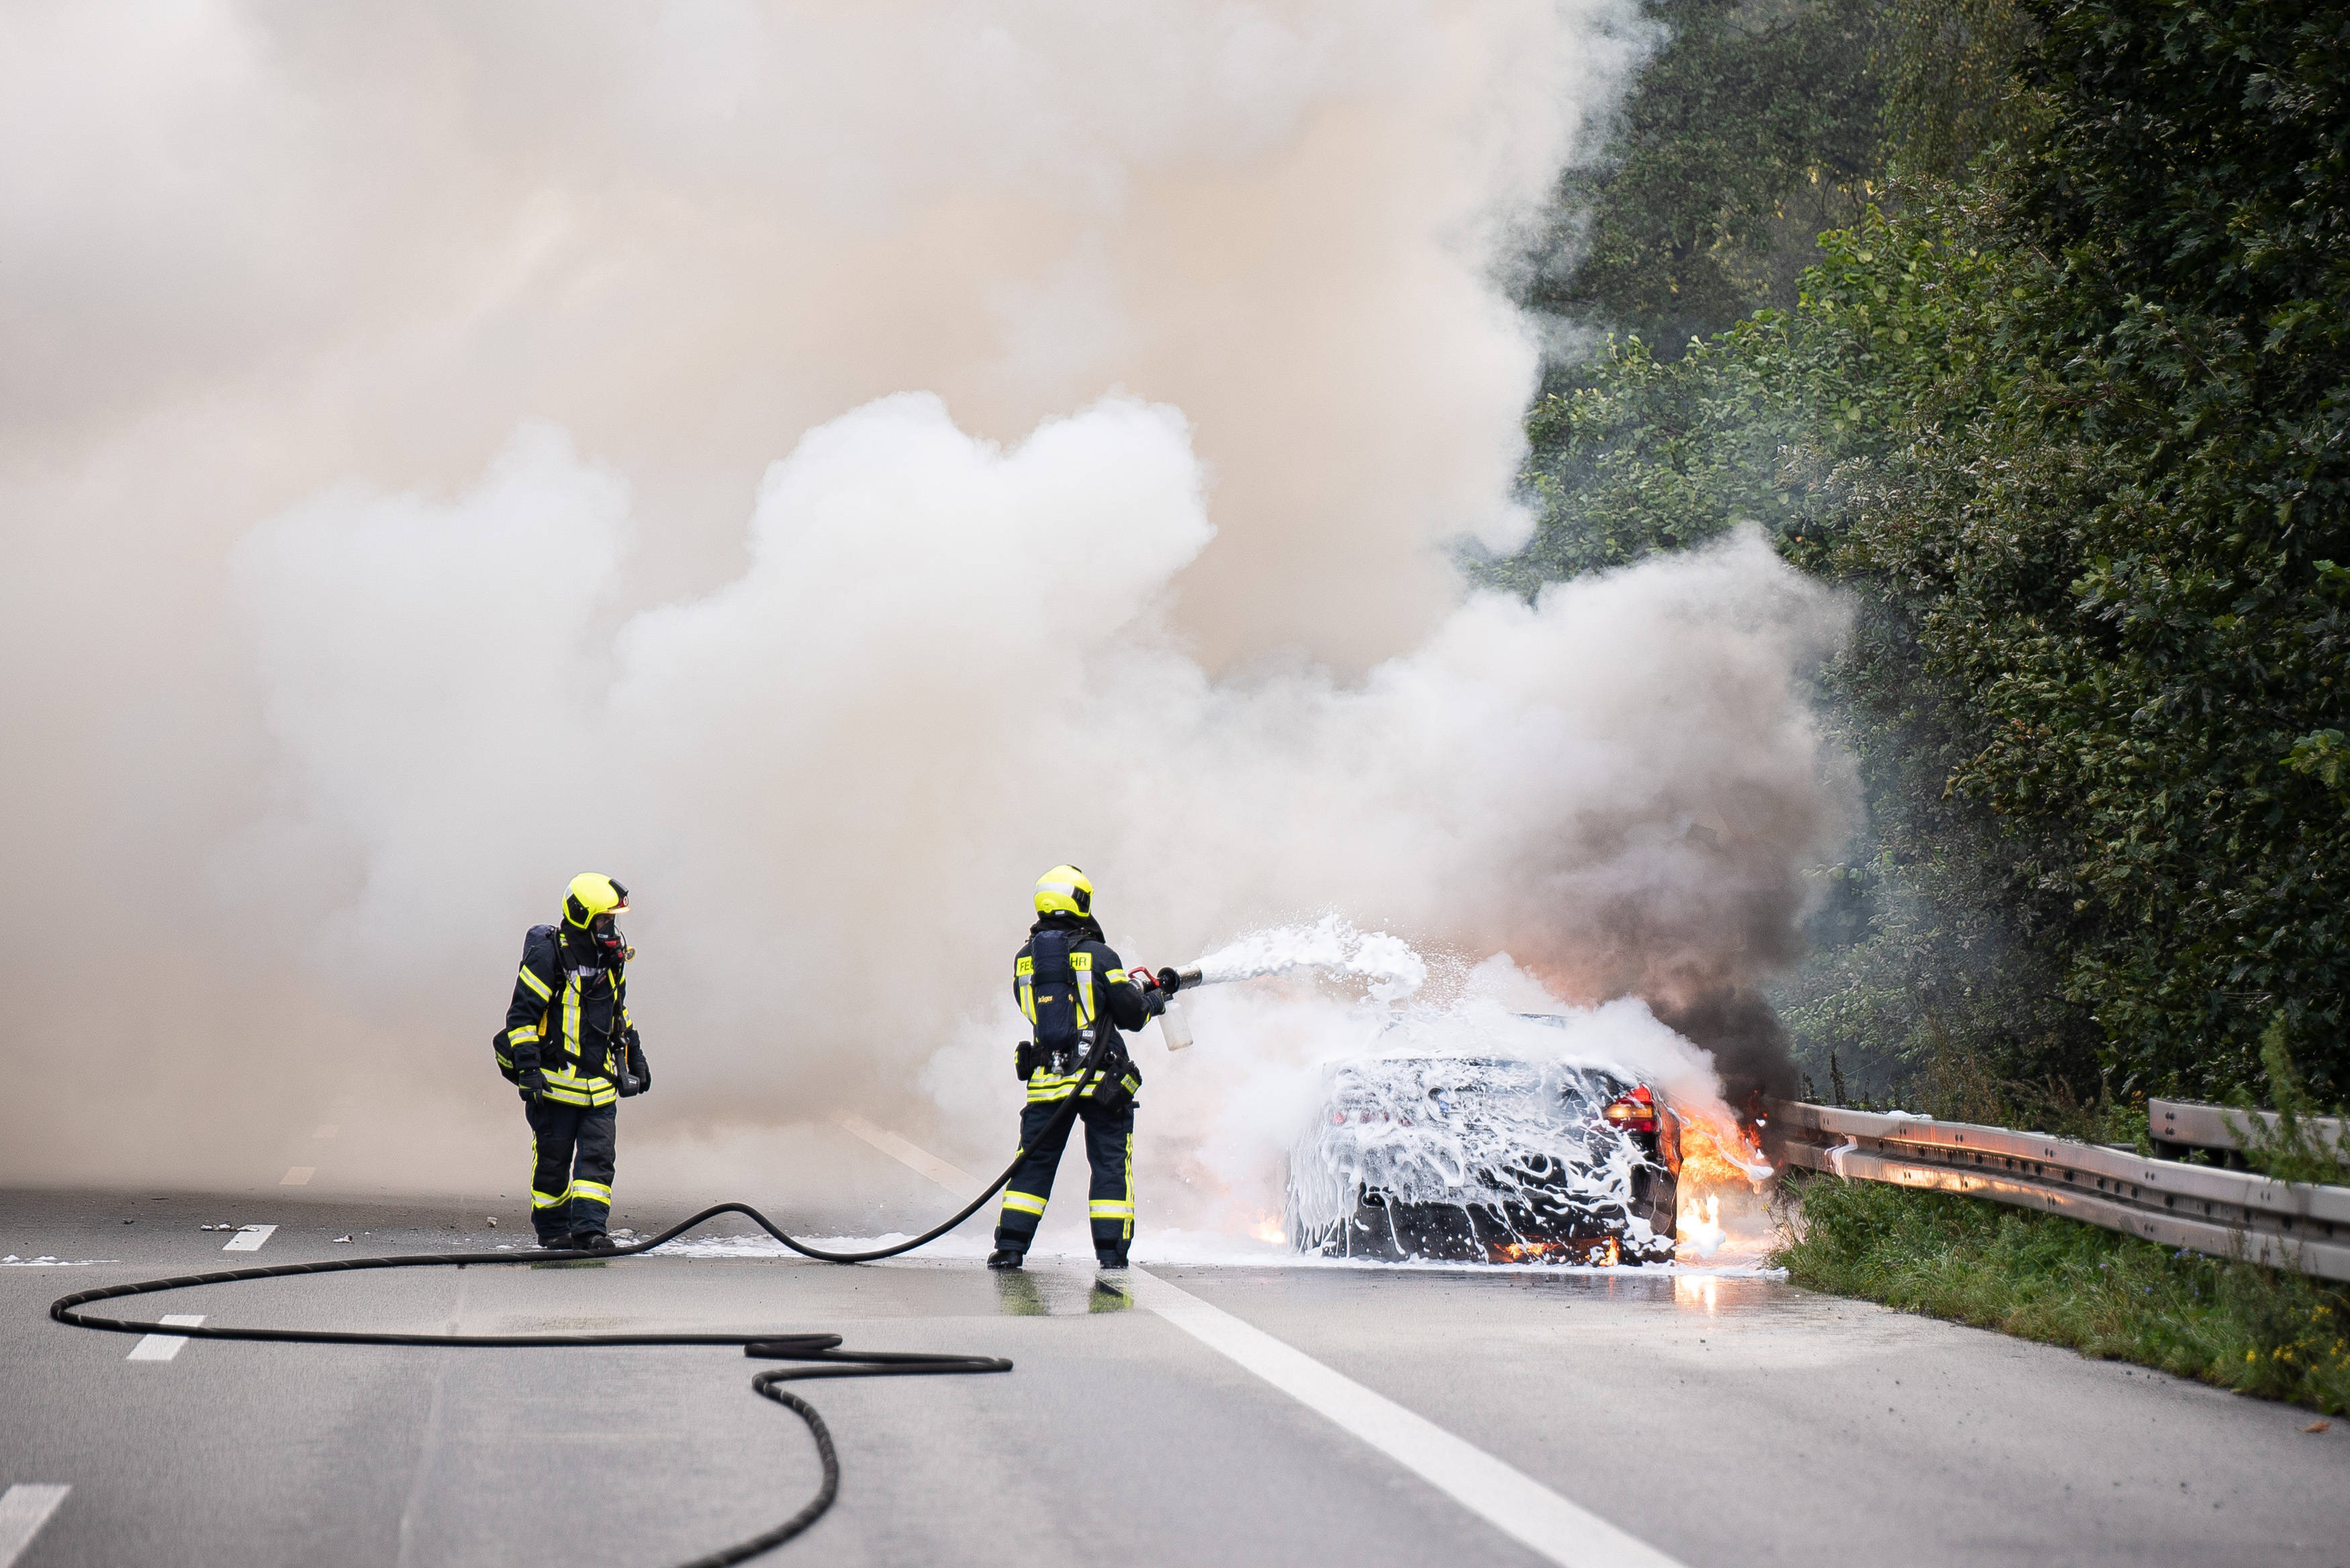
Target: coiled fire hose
x,y
823,1350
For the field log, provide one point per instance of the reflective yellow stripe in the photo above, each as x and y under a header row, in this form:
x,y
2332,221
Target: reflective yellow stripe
x,y
524,1034
545,1200
571,1015
1109,1209
1081,966
592,1190
1044,1087
1131,1085
537,984
1022,1204
571,1088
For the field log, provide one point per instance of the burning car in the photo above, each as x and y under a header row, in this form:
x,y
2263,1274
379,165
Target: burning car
x,y
1485,1158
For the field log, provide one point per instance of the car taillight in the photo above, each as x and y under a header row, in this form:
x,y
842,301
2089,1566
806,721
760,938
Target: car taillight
x,y
1633,1112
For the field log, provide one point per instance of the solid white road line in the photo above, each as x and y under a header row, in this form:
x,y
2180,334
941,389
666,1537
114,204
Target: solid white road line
x,y
299,1175
249,1239
164,1347
1501,1494
961,1183
24,1508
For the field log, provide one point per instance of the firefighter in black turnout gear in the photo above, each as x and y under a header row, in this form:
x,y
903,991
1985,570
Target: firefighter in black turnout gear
x,y
1075,995
571,1049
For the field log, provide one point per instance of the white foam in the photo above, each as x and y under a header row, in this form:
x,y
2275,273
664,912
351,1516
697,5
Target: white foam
x,y
1182,1248
1392,970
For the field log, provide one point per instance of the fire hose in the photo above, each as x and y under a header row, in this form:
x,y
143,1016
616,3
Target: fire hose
x,y
823,1351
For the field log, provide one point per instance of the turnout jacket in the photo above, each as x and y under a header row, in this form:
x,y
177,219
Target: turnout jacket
x,y
569,1019
1074,991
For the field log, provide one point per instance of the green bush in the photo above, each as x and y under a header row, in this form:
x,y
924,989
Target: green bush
x,y
2258,1331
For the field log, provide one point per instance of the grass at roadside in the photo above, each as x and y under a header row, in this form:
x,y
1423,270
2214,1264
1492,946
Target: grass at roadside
x,y
2037,1276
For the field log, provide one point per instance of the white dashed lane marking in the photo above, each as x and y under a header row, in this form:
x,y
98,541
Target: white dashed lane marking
x,y
164,1347
962,1184
249,1239
298,1177
24,1508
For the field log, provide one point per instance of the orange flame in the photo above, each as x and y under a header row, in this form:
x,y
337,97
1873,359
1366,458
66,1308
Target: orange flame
x,y
1604,1252
1715,1153
1718,1152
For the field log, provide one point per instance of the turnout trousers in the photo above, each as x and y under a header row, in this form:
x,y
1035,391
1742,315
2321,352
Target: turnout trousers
x,y
1109,1149
573,1150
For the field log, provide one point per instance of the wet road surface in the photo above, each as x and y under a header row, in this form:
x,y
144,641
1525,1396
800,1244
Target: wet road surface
x,y
1718,1421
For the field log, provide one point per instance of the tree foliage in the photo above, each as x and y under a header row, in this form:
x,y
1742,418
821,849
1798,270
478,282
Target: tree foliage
x,y
2076,428
1755,128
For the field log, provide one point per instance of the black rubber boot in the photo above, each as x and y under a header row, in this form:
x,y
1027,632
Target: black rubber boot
x,y
593,1241
1115,1260
1005,1258
555,1244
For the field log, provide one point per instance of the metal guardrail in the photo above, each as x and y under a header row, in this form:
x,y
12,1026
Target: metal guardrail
x,y
2186,1123
2224,1213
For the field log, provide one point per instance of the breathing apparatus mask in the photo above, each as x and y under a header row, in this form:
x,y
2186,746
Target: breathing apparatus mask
x,y
591,907
604,941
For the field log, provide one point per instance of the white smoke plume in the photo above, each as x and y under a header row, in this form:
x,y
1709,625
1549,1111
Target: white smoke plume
x,y
384,396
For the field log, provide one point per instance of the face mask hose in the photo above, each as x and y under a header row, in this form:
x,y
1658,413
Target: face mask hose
x,y
820,1354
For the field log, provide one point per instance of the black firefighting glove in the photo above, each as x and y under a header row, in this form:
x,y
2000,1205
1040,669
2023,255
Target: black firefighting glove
x,y
1154,997
531,1082
636,1076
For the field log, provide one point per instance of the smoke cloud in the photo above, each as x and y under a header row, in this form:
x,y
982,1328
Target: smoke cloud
x,y
1104,388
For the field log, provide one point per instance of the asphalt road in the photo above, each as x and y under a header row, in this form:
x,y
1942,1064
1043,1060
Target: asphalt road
x,y
1718,1421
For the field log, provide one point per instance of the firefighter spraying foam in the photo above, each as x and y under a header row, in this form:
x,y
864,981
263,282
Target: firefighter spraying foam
x,y
1076,994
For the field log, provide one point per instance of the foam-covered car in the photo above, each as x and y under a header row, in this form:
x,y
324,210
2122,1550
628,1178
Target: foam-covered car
x,y
1485,1158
